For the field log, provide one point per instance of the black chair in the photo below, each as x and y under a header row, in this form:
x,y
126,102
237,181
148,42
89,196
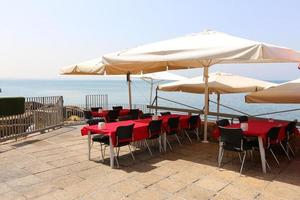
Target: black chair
x,y
95,109
125,118
223,122
289,135
117,107
123,138
232,140
154,132
273,140
173,129
194,122
165,113
243,119
112,115
134,113
90,120
146,115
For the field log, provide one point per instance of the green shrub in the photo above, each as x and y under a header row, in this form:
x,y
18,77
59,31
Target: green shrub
x,y
12,106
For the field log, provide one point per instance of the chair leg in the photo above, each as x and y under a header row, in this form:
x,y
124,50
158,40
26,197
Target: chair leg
x,y
268,165
146,143
290,148
186,133
131,153
240,157
241,170
101,149
197,134
169,144
286,153
221,157
118,151
117,161
159,144
274,156
177,139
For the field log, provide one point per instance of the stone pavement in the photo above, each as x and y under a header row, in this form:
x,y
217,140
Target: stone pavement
x,y
54,165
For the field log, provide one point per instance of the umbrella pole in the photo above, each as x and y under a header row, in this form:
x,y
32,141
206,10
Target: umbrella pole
x,y
205,76
218,105
151,90
129,90
156,91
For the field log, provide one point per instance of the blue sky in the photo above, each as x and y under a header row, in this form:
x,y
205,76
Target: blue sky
x,y
38,37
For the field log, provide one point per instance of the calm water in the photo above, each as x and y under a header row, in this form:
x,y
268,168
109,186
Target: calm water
x,y
74,92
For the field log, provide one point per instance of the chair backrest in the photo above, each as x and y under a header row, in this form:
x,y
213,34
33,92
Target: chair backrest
x,y
154,128
112,115
290,127
272,135
134,113
117,107
94,121
125,118
194,121
95,109
232,138
223,122
124,134
243,119
146,115
165,113
87,114
173,124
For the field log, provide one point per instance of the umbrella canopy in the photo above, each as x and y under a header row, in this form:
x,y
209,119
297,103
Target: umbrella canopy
x,y
219,82
284,93
90,67
196,50
161,76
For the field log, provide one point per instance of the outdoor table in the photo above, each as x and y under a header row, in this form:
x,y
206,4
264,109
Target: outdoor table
x,y
140,131
104,113
259,129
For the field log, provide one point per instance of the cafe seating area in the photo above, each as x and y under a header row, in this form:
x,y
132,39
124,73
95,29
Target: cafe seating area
x,y
143,127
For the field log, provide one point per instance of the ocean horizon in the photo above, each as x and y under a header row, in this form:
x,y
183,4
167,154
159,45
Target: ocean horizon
x,y
74,91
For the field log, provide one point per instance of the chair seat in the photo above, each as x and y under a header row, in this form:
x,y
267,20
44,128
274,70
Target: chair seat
x,y
247,145
101,138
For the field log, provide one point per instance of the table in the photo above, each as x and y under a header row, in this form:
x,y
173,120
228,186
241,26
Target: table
x,y
104,113
140,131
259,129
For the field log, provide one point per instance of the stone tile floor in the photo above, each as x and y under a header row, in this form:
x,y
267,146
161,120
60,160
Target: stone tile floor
x,y
54,165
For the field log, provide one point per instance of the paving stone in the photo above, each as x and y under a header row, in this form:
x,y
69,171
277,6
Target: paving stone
x,y
127,187
169,185
4,188
54,166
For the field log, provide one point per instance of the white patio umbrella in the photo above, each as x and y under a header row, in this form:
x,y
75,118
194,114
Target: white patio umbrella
x,y
158,77
92,67
288,93
218,83
193,51
89,67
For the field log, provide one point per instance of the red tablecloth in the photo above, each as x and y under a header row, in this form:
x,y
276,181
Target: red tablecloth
x,y
257,128
183,120
140,130
105,112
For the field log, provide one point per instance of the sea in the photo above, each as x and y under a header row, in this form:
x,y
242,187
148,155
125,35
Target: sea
x,y
74,91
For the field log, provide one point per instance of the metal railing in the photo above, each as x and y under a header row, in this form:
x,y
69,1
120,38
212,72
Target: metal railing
x,y
41,113
96,100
